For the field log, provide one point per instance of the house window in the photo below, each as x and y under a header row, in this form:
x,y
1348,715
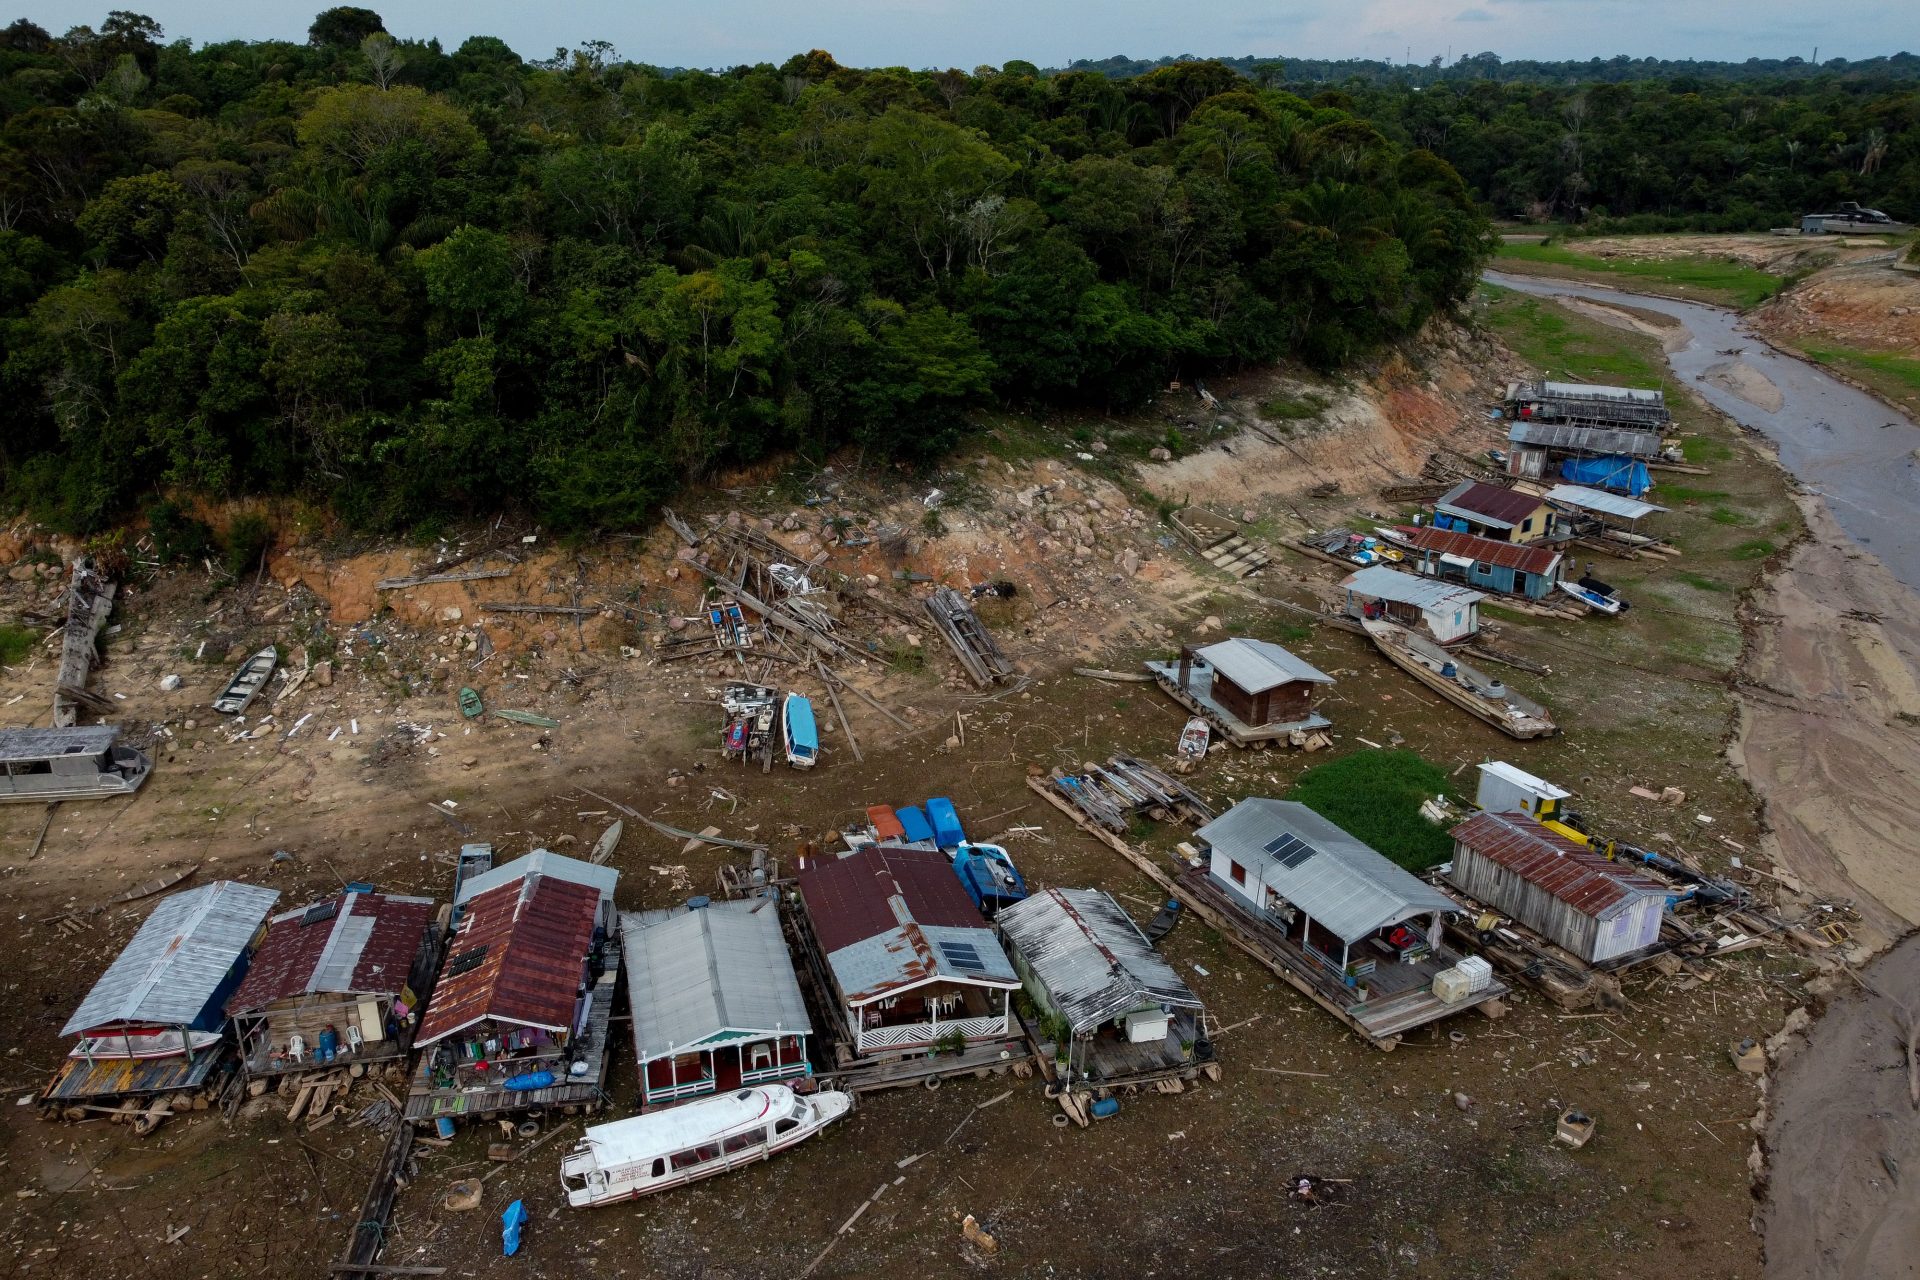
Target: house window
x,y
1238,872
743,1141
1526,526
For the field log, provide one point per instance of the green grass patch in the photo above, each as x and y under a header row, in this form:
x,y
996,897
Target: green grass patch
x,y
1546,337
1700,450
1700,582
1717,278
15,644
1753,549
1293,408
1726,515
1375,796
1681,493
1882,370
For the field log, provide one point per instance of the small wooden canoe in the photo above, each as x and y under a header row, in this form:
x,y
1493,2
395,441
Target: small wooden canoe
x,y
470,704
156,884
247,682
609,839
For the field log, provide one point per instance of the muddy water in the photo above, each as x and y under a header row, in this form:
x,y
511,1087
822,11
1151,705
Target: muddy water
x,y
1854,450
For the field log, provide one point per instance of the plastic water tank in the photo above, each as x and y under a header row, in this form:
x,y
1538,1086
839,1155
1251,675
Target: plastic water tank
x,y
1478,972
1450,986
1105,1107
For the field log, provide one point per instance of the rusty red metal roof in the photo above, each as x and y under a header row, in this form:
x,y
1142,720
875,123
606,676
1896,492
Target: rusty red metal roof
x,y
850,899
1568,871
366,945
1526,557
1497,503
531,938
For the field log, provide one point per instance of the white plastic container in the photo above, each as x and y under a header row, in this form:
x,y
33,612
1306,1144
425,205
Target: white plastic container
x,y
1450,986
1478,972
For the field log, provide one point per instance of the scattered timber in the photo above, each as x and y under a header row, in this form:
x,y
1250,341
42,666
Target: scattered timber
x,y
1119,677
979,654
155,885
370,1228
89,602
568,610
528,717
676,832
429,579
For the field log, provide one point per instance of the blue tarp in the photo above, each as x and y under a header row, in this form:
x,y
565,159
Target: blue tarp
x,y
510,1223
946,823
1620,474
914,823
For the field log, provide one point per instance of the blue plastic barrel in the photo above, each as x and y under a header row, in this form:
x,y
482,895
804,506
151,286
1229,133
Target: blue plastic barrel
x,y
1106,1107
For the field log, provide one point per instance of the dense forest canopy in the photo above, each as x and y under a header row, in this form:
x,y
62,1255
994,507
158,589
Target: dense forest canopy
x,y
1898,68
413,283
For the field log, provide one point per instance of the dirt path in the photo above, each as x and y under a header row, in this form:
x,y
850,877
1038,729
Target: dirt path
x,y
1845,1188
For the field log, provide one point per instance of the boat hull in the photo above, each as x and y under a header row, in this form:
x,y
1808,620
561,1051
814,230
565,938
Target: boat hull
x,y
1387,639
1592,599
247,683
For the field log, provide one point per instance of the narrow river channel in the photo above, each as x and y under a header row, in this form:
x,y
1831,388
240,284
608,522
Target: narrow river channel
x,y
1856,451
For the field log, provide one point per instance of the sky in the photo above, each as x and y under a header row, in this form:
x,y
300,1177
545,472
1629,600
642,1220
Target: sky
x,y
970,33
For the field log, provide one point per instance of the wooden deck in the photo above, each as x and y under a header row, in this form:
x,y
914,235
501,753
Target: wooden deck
x,y
1197,698
1381,1021
78,1080
426,1103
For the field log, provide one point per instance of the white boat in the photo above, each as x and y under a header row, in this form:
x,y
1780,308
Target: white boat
x,y
247,682
1591,598
1398,537
1194,739
666,1149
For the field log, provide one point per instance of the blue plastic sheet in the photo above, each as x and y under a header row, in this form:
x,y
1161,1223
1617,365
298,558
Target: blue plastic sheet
x,y
1620,474
510,1223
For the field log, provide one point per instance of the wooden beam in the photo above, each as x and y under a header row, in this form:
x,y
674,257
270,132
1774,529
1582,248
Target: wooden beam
x,y
832,697
428,579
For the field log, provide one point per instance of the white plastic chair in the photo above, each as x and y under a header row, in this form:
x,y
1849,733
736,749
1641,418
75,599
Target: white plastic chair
x,y
297,1048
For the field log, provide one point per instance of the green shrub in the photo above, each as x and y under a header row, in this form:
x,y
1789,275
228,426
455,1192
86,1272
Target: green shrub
x,y
176,535
246,542
15,644
1375,796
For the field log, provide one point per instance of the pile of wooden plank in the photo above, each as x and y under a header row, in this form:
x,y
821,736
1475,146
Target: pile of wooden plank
x,y
1219,542
1110,795
979,654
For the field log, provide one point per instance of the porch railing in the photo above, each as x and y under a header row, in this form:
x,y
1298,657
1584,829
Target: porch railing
x,y
926,1033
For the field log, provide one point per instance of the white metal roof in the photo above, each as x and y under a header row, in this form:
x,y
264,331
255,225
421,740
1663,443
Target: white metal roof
x,y
1090,956
694,974
1611,504
1516,776
1378,582
645,1137
1343,884
1257,665
179,960
1595,391
542,862
1605,440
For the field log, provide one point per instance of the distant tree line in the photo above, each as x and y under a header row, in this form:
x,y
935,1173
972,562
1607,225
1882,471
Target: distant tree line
x,y
416,283
1898,68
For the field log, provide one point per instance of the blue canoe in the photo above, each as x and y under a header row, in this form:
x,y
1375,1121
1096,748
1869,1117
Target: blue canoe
x,y
914,824
946,823
802,735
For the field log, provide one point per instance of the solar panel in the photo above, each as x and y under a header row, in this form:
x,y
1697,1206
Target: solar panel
x,y
962,955
466,960
320,911
1290,850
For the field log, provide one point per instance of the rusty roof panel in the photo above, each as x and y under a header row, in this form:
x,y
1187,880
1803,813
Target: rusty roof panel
x,y
1556,865
366,947
1527,558
536,933
850,899
1491,503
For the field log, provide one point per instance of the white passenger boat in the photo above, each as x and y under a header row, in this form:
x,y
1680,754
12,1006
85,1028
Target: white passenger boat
x,y
665,1149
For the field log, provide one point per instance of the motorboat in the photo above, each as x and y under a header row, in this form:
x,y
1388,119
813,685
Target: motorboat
x,y
988,875
798,732
247,682
664,1149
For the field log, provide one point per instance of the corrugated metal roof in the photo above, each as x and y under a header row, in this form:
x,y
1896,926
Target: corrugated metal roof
x,y
178,960
1596,391
1564,435
692,974
1346,886
1488,503
1574,875
536,933
1525,557
1090,956
1518,777
1378,582
25,745
366,947
889,919
542,862
1257,665
851,898
1611,504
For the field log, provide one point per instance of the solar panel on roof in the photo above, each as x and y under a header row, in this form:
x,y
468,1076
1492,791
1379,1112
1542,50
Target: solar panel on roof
x,y
320,911
465,961
1290,850
962,955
